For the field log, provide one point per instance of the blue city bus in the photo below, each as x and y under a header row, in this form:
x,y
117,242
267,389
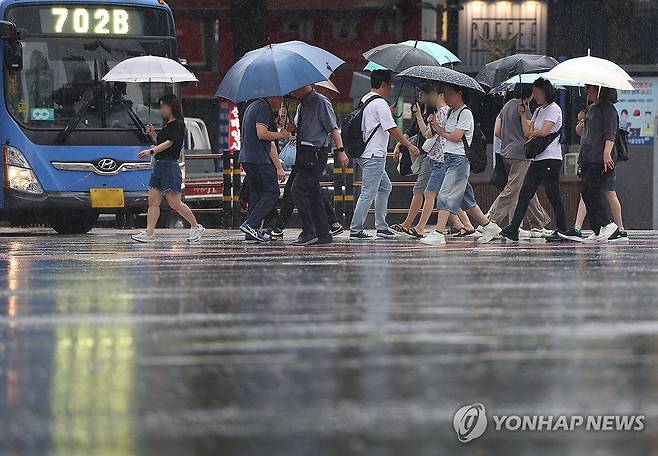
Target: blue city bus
x,y
70,141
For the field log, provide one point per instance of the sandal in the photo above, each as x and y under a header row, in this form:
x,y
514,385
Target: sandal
x,y
463,232
414,234
399,229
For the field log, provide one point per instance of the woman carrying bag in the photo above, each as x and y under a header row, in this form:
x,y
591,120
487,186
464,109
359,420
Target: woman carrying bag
x,y
544,149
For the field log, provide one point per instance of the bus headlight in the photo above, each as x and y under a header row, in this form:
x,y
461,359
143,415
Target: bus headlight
x,y
18,172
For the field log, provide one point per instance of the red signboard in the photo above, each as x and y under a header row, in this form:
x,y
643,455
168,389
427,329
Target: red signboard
x,y
233,128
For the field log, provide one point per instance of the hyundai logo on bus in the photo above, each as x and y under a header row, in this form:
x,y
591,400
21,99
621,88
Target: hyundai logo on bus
x,y
107,165
471,421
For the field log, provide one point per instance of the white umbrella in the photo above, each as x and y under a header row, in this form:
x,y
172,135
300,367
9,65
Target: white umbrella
x,y
592,71
149,68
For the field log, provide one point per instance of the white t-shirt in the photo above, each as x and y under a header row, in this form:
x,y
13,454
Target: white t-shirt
x,y
551,113
376,113
466,123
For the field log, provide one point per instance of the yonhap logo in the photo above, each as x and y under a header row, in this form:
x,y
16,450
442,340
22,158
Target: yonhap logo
x,y
470,422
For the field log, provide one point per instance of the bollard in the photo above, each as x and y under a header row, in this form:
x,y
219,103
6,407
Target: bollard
x,y
237,176
348,197
227,198
339,192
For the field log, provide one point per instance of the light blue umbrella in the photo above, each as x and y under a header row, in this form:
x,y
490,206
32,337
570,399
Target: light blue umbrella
x,y
276,70
440,53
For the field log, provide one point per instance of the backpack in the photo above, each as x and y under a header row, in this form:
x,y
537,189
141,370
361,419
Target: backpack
x,y
476,152
352,133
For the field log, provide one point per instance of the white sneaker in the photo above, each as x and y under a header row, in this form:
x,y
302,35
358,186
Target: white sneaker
x,y
195,233
606,232
540,233
143,237
524,234
590,239
435,238
489,231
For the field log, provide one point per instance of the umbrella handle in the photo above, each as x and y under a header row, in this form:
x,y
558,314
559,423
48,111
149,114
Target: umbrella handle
x,y
398,98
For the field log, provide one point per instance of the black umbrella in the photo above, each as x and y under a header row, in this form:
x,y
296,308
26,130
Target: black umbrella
x,y
399,57
441,74
495,73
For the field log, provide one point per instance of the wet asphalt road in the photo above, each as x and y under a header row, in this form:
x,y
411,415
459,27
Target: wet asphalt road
x,y
220,348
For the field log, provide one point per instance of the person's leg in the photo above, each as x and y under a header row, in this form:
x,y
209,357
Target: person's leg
x,y
590,191
318,211
287,203
428,207
506,200
531,182
454,185
418,191
329,209
381,200
263,184
580,215
551,184
462,216
153,214
302,194
176,203
370,178
615,208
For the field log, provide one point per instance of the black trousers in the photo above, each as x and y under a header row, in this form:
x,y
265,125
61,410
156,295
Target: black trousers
x,y
288,205
263,192
546,173
592,180
306,193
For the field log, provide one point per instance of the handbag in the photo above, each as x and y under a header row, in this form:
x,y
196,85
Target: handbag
x,y
621,145
288,154
536,145
500,176
429,144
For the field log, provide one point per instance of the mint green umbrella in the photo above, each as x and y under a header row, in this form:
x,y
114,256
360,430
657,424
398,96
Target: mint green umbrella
x,y
440,53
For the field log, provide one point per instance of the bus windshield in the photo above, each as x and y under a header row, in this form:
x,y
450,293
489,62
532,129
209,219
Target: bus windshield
x,y
62,74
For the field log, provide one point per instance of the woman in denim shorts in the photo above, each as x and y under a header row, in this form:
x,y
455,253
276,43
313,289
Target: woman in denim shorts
x,y
166,178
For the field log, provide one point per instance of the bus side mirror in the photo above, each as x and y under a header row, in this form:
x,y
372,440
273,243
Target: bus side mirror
x,y
8,31
13,48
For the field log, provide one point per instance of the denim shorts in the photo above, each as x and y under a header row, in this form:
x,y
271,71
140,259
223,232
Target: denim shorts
x,y
456,193
436,177
423,174
610,184
166,176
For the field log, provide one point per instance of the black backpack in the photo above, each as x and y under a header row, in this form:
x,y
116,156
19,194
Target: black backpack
x,y
476,152
351,132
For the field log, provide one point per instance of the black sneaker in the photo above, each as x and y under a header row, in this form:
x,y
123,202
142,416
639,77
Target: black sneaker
x,y
555,237
336,229
618,236
360,236
510,233
386,234
275,233
305,239
574,234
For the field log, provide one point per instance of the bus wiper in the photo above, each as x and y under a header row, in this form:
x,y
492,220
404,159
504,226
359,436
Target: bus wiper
x,y
125,104
64,135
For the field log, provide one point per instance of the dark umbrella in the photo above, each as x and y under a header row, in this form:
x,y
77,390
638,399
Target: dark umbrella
x,y
495,73
399,57
441,74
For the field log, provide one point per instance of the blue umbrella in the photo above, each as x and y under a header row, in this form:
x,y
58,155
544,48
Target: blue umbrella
x,y
276,70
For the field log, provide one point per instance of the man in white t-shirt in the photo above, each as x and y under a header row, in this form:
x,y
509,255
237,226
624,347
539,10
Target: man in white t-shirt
x,y
377,126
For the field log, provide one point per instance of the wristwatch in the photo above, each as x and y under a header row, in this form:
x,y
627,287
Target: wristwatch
x,y
152,152
340,149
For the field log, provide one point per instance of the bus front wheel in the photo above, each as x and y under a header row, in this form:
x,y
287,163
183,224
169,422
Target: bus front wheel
x,y
73,222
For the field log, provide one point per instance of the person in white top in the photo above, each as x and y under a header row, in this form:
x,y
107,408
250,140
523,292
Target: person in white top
x,y
456,192
376,185
546,167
